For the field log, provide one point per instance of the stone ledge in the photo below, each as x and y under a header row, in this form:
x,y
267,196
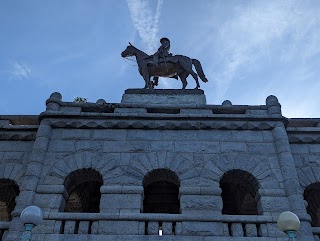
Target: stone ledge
x,y
164,98
165,91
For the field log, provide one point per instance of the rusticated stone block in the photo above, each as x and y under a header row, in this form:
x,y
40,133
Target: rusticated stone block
x,y
142,228
274,231
84,227
57,227
153,228
69,227
274,204
120,201
202,228
251,230
200,203
236,230
119,227
95,227
167,228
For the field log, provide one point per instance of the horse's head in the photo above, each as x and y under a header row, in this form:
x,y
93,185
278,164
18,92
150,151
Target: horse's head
x,y
129,51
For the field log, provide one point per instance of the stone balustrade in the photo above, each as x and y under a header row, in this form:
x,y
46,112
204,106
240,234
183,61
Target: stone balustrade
x,y
164,224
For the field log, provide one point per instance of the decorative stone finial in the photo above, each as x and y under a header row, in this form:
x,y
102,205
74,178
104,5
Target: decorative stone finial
x,y
101,102
274,107
226,102
53,102
56,95
272,100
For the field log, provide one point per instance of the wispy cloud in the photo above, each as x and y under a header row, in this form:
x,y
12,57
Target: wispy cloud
x,y
263,29
146,21
20,71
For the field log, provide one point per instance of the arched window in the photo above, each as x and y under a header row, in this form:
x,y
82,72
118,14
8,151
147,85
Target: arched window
x,y
161,192
9,190
83,188
240,193
312,196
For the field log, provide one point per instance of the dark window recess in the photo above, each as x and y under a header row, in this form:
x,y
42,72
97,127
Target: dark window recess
x,y
83,187
161,192
312,196
163,110
240,193
9,190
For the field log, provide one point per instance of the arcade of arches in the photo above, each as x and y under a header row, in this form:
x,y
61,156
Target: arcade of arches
x,y
240,194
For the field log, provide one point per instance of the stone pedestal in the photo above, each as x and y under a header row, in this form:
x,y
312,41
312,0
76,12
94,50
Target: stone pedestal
x,y
165,97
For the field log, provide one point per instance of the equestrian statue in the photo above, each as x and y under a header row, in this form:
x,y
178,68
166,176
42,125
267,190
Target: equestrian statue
x,y
164,64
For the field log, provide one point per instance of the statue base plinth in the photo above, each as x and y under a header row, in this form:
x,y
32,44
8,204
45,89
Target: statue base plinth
x,y
165,97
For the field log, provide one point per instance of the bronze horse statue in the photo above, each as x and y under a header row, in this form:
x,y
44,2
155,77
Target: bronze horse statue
x,y
171,66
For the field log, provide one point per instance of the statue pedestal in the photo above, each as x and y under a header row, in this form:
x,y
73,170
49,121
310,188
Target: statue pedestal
x,y
165,97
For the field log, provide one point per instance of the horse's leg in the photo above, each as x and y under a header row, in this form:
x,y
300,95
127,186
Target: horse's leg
x,y
146,76
156,80
183,77
187,66
197,81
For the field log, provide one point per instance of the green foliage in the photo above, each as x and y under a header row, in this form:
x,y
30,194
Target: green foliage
x,y
80,100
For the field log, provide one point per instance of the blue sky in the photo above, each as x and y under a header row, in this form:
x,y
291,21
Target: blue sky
x,y
248,49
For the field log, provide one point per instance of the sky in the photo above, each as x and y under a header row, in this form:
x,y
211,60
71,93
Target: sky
x,y
249,49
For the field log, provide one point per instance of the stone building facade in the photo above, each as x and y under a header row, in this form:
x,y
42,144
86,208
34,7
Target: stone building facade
x,y
163,163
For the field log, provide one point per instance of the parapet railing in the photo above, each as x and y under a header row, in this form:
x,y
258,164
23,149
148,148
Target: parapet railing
x,y
163,224
4,227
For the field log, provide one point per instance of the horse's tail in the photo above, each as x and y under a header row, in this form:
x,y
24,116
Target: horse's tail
x,y
199,70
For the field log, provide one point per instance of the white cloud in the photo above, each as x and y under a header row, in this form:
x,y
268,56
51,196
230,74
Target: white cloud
x,y
146,22
288,29
20,71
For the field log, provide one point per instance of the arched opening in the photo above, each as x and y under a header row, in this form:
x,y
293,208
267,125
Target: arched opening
x,y
83,188
161,192
9,190
312,196
240,193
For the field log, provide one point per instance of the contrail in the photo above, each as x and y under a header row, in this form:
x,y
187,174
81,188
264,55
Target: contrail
x,y
145,22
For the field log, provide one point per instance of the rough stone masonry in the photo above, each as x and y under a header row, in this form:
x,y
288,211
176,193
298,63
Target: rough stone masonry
x,y
161,162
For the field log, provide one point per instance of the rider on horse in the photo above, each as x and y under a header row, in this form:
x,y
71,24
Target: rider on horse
x,y
163,51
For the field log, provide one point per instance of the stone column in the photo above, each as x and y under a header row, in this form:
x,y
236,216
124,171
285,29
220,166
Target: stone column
x,y
291,181
120,201
33,171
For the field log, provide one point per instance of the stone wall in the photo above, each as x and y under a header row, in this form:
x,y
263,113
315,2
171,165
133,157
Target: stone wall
x,y
125,142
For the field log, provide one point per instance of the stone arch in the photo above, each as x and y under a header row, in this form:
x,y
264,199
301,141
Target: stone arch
x,y
258,167
140,164
161,192
308,175
83,189
312,196
240,193
65,164
12,171
9,190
